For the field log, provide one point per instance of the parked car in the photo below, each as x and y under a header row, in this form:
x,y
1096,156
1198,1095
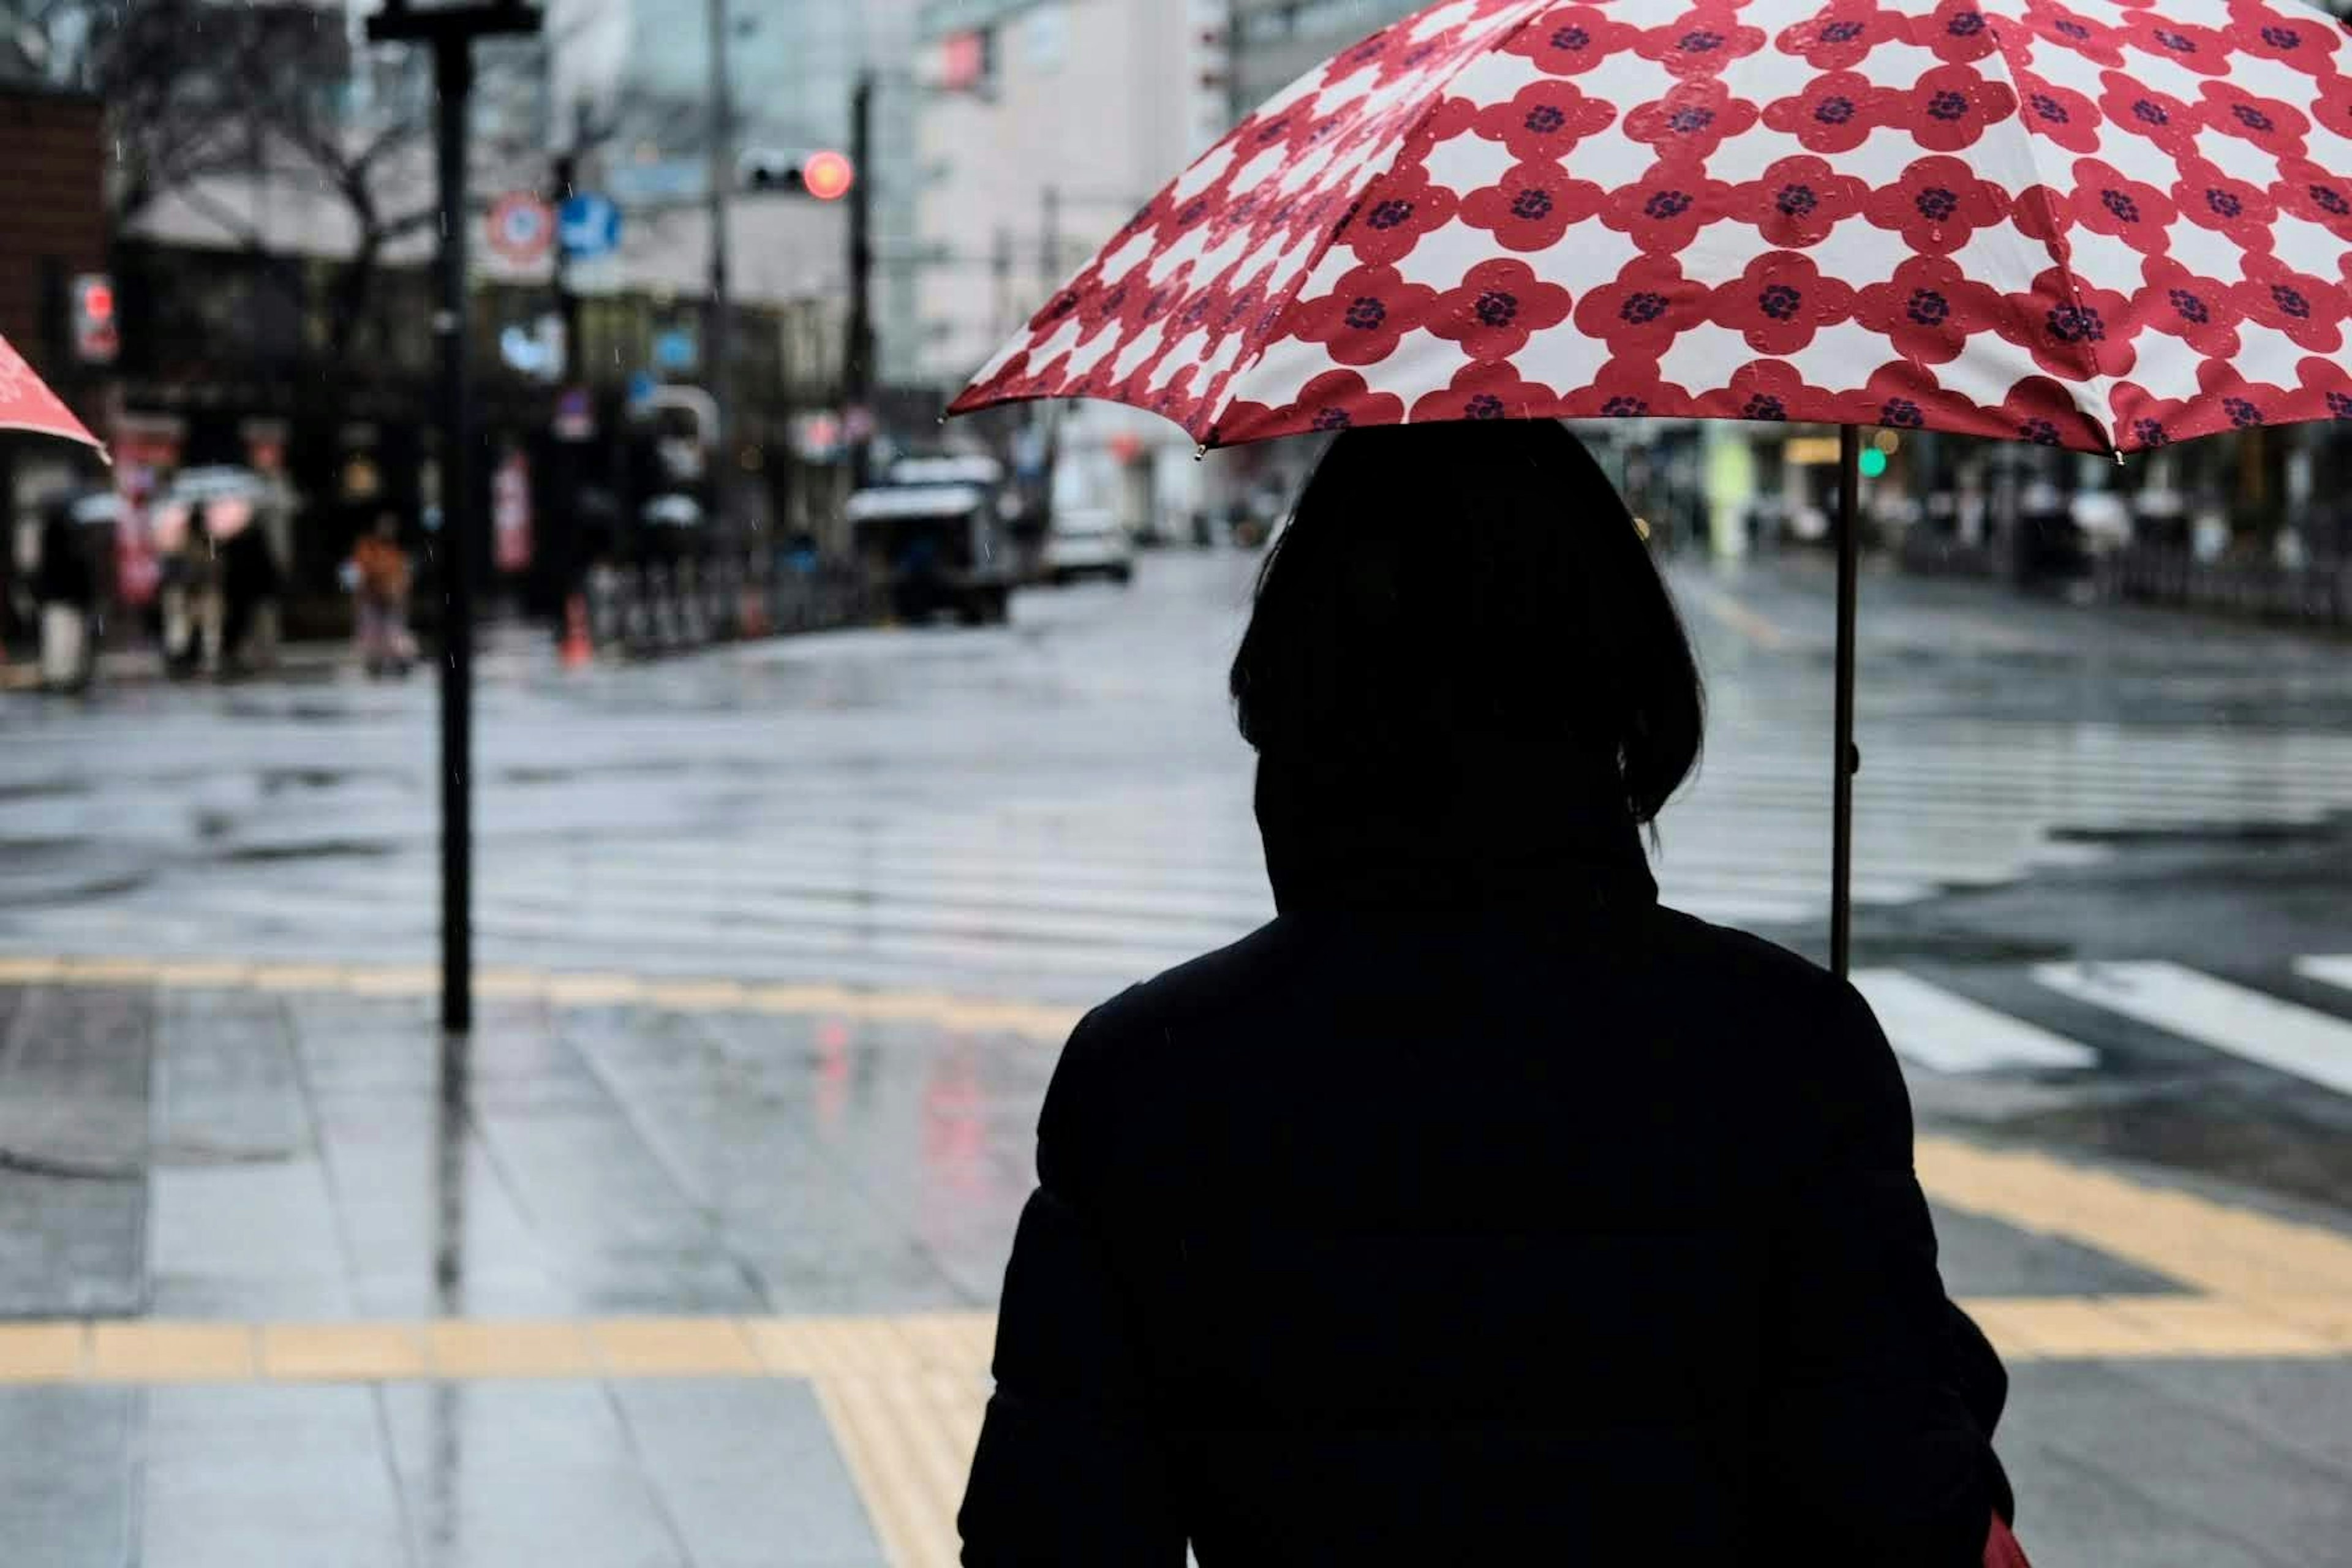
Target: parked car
x,y
1088,543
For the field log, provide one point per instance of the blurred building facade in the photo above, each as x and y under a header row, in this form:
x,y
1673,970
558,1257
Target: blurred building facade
x,y
793,66
1044,125
1273,42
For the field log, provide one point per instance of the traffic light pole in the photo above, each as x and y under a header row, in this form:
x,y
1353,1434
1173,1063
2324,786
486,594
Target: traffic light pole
x,y
857,364
718,350
451,32
453,79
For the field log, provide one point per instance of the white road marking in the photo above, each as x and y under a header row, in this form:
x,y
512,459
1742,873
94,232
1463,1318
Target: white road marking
x,y
2303,1041
2332,971
1932,1028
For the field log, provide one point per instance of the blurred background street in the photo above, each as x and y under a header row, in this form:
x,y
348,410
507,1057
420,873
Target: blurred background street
x,y
780,940
829,762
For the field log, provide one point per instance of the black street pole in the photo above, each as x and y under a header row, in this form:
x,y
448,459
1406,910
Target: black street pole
x,y
451,31
453,81
857,375
719,333
1848,761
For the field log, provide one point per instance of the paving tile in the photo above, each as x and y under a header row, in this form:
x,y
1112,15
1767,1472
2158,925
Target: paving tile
x,y
750,1473
74,1094
237,1477
66,1476
2203,1472
501,1474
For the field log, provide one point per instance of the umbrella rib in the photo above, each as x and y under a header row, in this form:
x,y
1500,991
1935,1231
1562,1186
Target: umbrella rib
x,y
2064,259
1528,12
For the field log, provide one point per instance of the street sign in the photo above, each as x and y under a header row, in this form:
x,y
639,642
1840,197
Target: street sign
x,y
521,226
589,226
675,350
575,415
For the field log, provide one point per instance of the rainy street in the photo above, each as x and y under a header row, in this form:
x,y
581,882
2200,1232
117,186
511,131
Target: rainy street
x,y
688,1256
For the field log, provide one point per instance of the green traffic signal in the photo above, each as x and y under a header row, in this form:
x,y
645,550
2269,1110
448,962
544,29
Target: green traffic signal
x,y
1874,462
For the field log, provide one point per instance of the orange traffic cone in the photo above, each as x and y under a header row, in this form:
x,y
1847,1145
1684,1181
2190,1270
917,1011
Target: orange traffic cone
x,y
578,651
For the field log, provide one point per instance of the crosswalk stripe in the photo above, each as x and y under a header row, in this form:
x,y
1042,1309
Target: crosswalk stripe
x,y
2333,971
2285,1035
1932,1028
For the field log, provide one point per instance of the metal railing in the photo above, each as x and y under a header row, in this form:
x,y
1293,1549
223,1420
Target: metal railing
x,y
658,607
2317,592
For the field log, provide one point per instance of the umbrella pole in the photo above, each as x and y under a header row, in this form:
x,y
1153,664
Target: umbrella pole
x,y
1848,761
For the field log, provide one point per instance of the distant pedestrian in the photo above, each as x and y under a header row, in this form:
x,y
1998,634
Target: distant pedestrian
x,y
380,579
66,587
1478,1209
250,584
193,617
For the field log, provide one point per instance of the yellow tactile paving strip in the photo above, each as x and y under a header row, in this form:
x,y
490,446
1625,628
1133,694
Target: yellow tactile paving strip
x,y
556,989
2026,1328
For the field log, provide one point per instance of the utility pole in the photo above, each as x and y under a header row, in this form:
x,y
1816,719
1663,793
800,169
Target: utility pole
x,y
564,186
717,349
857,364
451,31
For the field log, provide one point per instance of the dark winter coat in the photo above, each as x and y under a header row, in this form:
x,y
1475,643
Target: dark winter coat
x,y
1480,1210
66,575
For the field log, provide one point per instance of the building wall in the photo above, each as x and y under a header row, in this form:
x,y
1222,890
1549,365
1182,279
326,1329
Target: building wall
x,y
1276,41
1086,108
52,188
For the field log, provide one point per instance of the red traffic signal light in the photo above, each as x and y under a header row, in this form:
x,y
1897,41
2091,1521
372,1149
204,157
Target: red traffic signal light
x,y
828,177
96,337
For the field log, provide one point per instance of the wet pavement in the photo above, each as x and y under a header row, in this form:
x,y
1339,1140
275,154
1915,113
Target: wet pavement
x,y
686,1258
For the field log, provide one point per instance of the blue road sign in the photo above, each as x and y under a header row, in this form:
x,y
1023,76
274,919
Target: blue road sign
x,y
590,226
676,349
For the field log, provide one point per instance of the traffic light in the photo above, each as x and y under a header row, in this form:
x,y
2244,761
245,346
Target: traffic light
x,y
96,337
827,177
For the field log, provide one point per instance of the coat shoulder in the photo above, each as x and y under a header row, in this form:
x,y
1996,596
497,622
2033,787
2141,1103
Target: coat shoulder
x,y
1229,978
1823,1018
1122,1049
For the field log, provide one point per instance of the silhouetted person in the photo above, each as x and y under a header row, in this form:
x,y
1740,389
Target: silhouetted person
x,y
1478,1209
250,580
66,586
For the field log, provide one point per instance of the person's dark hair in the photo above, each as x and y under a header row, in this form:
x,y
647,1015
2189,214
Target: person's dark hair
x,y
1474,583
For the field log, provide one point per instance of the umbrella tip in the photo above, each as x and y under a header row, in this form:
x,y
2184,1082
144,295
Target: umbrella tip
x,y
1201,452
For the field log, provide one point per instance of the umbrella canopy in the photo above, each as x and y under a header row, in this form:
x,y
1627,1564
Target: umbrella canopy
x,y
2101,224
28,404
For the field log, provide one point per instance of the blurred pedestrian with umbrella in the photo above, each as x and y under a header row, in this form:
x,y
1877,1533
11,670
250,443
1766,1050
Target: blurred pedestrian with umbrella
x,y
66,582
66,586
1283,1297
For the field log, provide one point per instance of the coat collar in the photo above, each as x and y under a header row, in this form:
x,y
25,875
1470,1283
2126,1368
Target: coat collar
x,y
1506,824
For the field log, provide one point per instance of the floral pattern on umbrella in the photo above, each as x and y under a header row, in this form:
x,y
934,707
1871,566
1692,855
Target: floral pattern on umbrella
x,y
2101,224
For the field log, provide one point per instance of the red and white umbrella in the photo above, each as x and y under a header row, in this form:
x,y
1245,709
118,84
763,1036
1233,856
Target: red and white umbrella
x,y
2106,225
28,404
